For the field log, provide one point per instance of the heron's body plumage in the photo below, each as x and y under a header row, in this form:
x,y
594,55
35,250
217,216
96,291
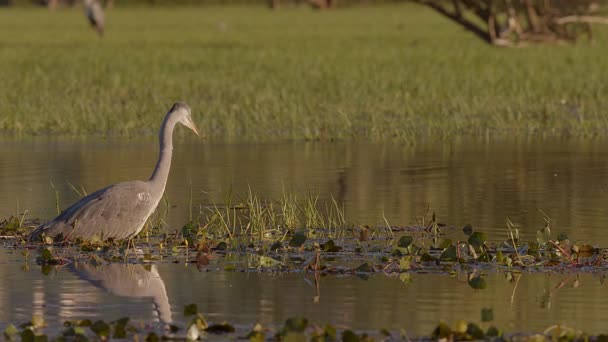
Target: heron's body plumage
x,y
121,210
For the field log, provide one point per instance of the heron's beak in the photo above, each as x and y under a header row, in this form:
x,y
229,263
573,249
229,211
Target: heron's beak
x,y
190,124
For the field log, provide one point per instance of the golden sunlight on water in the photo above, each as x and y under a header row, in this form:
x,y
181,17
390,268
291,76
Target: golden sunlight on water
x,y
526,302
477,183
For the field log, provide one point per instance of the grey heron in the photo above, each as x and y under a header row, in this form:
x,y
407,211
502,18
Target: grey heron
x,y
94,12
120,211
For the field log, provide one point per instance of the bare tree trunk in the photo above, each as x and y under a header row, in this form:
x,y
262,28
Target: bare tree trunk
x,y
532,16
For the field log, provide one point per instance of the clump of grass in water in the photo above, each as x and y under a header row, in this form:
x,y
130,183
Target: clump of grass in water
x,y
271,220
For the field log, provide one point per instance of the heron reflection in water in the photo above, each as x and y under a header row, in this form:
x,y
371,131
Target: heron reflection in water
x,y
128,280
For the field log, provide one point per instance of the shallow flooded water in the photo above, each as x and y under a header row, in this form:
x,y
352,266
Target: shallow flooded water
x,y
156,294
477,183
463,183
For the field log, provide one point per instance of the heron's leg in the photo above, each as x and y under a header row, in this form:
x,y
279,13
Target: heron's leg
x,y
129,244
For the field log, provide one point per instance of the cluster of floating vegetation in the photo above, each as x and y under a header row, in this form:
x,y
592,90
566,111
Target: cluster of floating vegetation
x,y
293,235
290,234
294,329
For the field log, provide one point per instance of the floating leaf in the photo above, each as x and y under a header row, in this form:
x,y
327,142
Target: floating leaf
x,y
477,239
190,310
475,332
405,241
296,324
265,261
276,246
349,336
487,315
297,240
442,331
426,257
10,332
477,283
120,330
363,268
222,246
101,329
294,337
152,337
330,247
493,332
46,254
405,263
223,328
467,230
449,254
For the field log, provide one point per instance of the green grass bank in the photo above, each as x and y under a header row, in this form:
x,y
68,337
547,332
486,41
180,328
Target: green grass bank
x,y
386,72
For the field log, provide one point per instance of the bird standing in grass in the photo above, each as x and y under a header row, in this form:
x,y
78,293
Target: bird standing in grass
x,y
94,12
120,211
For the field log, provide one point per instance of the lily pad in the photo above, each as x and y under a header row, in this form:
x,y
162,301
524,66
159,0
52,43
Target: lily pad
x,y
330,247
297,240
405,241
477,239
222,328
478,283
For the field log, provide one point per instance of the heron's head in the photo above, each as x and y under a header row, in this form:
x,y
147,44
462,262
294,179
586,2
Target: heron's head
x,y
184,115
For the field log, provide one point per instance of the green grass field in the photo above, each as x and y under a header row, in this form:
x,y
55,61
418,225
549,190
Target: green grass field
x,y
389,72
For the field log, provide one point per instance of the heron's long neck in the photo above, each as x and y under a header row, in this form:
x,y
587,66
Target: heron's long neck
x,y
161,172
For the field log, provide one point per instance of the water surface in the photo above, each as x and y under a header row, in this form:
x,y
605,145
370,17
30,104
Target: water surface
x,y
478,183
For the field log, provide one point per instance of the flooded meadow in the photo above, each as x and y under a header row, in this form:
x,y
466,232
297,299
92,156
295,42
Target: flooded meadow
x,y
507,234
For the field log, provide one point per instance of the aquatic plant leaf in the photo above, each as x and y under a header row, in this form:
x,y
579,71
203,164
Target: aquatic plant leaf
x,y
484,257
477,239
265,261
296,324
449,254
405,263
426,257
442,331
276,246
190,310
405,277
478,283
46,255
467,230
487,314
349,336
474,331
294,337
330,247
38,321
27,335
222,328
297,240
405,241
189,230
10,332
152,337
222,246
494,332
363,268
101,329
120,330
329,332
561,237
256,336
460,326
